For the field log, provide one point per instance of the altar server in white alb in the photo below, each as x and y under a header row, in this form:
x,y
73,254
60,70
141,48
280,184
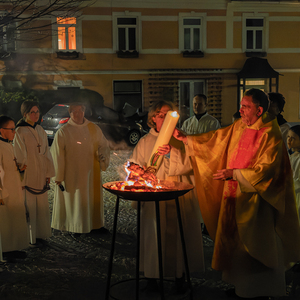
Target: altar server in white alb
x,y
173,263
13,227
201,121
80,152
31,149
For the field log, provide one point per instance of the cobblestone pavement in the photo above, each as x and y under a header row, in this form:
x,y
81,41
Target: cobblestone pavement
x,y
75,267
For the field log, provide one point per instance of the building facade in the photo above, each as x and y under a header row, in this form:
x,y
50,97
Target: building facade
x,y
141,51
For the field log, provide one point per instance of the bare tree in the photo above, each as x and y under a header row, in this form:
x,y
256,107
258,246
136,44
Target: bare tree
x,y
19,20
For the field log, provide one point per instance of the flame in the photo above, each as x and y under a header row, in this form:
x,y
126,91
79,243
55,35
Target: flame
x,y
138,180
174,114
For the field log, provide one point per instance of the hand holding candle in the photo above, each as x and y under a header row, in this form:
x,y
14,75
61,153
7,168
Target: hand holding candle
x,y
163,138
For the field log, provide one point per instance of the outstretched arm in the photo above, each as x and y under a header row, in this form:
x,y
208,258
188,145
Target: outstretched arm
x,y
180,135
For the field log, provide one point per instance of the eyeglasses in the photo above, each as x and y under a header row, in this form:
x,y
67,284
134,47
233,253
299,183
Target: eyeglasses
x,y
12,129
35,112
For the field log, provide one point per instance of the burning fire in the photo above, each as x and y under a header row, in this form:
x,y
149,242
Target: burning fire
x,y
138,179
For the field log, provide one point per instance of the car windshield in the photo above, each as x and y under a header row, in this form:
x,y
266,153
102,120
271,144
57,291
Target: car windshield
x,y
59,110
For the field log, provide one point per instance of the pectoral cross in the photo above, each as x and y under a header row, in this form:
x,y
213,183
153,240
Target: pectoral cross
x,y
39,146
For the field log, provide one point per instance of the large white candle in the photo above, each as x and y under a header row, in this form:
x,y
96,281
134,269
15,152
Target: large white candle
x,y
163,138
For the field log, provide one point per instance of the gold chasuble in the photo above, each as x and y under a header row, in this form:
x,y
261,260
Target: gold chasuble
x,y
235,218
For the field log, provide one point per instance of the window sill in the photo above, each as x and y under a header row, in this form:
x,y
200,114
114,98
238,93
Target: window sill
x,y
192,53
128,54
255,54
69,55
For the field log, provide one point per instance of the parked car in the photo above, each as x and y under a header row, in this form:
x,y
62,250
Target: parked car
x,y
115,127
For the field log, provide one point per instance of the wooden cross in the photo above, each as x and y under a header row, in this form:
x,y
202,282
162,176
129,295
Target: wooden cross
x,y
39,146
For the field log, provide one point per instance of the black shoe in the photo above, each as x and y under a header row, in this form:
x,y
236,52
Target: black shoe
x,y
152,286
11,256
101,230
231,294
204,230
39,243
181,285
75,235
296,267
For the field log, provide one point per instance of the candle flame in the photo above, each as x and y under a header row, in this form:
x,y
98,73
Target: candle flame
x,y
174,114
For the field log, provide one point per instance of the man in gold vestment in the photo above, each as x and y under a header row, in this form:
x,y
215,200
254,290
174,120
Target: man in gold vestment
x,y
245,190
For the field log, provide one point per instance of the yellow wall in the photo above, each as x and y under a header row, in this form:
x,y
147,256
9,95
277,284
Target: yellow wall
x,y
160,35
289,87
36,40
94,36
216,34
237,35
284,34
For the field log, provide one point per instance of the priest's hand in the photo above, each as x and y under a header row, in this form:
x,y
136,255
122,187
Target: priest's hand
x,y
180,135
1,202
164,149
224,174
58,182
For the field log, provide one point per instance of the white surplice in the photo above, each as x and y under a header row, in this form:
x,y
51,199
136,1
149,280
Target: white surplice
x,y
173,263
31,149
13,227
295,164
76,152
206,123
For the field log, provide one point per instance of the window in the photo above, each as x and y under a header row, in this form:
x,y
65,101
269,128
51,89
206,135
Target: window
x,y
127,34
192,32
8,38
66,33
187,90
257,83
192,36
128,91
255,33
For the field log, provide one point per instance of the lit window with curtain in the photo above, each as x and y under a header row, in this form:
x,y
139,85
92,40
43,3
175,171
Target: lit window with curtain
x,y
66,33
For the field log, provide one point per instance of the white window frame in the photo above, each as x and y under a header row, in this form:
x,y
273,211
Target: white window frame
x,y
265,31
127,14
4,45
202,27
78,27
5,42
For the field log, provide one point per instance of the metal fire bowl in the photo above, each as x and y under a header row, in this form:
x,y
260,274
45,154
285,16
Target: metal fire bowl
x,y
175,189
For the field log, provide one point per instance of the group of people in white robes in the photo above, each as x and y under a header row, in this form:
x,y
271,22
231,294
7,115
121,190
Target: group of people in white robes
x,y
80,152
